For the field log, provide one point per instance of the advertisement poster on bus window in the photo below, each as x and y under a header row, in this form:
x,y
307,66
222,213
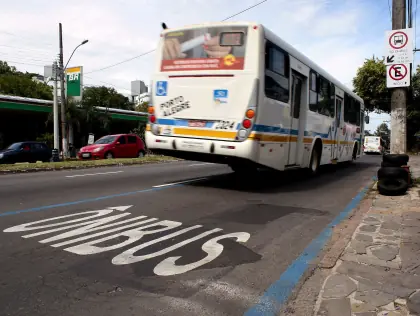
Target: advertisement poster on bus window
x,y
213,48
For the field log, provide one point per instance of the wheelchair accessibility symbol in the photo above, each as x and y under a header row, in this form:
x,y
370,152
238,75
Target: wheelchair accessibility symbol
x,y
161,88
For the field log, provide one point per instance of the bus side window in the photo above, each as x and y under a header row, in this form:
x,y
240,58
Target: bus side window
x,y
276,73
325,96
313,91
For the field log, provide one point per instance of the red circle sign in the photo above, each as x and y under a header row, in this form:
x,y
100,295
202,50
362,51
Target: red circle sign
x,y
398,38
397,72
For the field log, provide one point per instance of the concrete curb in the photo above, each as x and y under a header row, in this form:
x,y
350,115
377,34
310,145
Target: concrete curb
x,y
343,232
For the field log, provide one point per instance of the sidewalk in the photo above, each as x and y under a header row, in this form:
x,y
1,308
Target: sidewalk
x,y
378,273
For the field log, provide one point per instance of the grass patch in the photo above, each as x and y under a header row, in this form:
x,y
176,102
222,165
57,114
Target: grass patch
x,y
82,164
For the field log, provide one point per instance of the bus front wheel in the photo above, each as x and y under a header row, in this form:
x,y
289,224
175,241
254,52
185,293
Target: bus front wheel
x,y
315,161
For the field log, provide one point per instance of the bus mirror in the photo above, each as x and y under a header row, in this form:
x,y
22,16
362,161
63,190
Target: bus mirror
x,y
367,119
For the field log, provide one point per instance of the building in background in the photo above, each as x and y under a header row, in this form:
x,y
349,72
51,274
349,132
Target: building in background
x,y
139,91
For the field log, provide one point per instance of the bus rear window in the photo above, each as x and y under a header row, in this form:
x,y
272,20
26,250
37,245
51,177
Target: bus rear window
x,y
371,140
231,39
212,48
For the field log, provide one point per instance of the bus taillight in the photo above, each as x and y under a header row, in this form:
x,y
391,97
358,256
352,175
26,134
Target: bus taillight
x,y
152,119
250,114
151,110
246,123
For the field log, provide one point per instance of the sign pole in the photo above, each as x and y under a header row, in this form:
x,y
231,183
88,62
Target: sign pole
x,y
399,95
63,95
55,108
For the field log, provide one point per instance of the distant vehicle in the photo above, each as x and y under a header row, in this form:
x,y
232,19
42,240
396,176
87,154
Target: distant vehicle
x,y
374,145
114,146
26,152
235,93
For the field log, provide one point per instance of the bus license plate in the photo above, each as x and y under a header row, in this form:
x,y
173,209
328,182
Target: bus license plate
x,y
196,124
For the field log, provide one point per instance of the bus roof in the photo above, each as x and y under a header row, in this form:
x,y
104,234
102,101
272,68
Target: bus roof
x,y
277,40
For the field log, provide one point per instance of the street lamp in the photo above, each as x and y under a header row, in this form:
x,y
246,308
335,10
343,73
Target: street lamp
x,y
82,43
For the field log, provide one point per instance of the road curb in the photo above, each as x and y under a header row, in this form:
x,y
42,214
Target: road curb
x,y
334,248
343,232
33,170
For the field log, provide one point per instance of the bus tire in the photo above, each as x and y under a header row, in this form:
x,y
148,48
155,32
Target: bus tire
x,y
396,159
386,164
354,154
392,172
315,159
392,186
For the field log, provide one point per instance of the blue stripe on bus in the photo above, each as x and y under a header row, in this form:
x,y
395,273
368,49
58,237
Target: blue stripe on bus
x,y
257,127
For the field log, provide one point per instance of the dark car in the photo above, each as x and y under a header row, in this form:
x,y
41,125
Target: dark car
x,y
26,152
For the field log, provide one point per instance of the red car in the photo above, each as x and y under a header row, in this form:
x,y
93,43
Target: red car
x,y
114,146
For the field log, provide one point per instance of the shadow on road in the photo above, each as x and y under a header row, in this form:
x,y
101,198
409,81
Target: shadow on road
x,y
287,181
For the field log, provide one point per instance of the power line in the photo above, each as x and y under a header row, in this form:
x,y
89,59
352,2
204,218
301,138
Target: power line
x,y
45,52
151,51
25,38
110,84
122,62
20,63
247,9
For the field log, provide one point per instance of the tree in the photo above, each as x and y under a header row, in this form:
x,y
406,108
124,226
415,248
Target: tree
x,y
13,82
142,107
106,97
382,130
370,85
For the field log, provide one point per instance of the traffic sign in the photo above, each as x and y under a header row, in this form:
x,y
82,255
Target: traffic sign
x,y
398,76
399,46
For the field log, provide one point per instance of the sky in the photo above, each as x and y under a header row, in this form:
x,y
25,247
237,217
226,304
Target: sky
x,y
336,34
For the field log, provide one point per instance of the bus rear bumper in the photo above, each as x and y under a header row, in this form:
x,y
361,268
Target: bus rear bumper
x,y
203,149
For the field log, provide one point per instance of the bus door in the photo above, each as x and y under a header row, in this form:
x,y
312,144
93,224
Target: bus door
x,y
295,106
338,128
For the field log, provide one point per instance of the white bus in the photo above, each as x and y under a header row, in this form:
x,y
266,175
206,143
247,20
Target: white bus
x,y
237,94
374,145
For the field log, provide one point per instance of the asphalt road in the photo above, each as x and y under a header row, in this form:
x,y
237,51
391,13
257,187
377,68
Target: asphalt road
x,y
180,238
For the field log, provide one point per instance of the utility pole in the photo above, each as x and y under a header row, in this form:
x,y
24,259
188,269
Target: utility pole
x,y
63,95
399,95
55,108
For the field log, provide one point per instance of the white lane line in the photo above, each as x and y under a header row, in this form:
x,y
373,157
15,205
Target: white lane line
x,y
200,164
93,174
175,183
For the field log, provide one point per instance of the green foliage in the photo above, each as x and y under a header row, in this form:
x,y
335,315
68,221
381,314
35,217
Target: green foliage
x,y
106,97
370,85
382,130
142,107
47,138
6,69
139,130
19,84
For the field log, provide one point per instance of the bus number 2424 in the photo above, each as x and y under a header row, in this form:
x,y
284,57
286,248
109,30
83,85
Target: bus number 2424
x,y
225,125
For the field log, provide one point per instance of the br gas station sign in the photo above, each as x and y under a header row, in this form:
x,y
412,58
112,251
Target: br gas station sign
x,y
74,76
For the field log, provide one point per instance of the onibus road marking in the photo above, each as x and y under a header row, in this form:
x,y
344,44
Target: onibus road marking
x,y
80,234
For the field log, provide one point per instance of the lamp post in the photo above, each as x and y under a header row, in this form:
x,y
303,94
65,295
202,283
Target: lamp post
x,y
63,94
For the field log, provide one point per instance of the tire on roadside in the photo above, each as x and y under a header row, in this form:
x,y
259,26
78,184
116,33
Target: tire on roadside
x,y
396,159
386,164
393,172
392,186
